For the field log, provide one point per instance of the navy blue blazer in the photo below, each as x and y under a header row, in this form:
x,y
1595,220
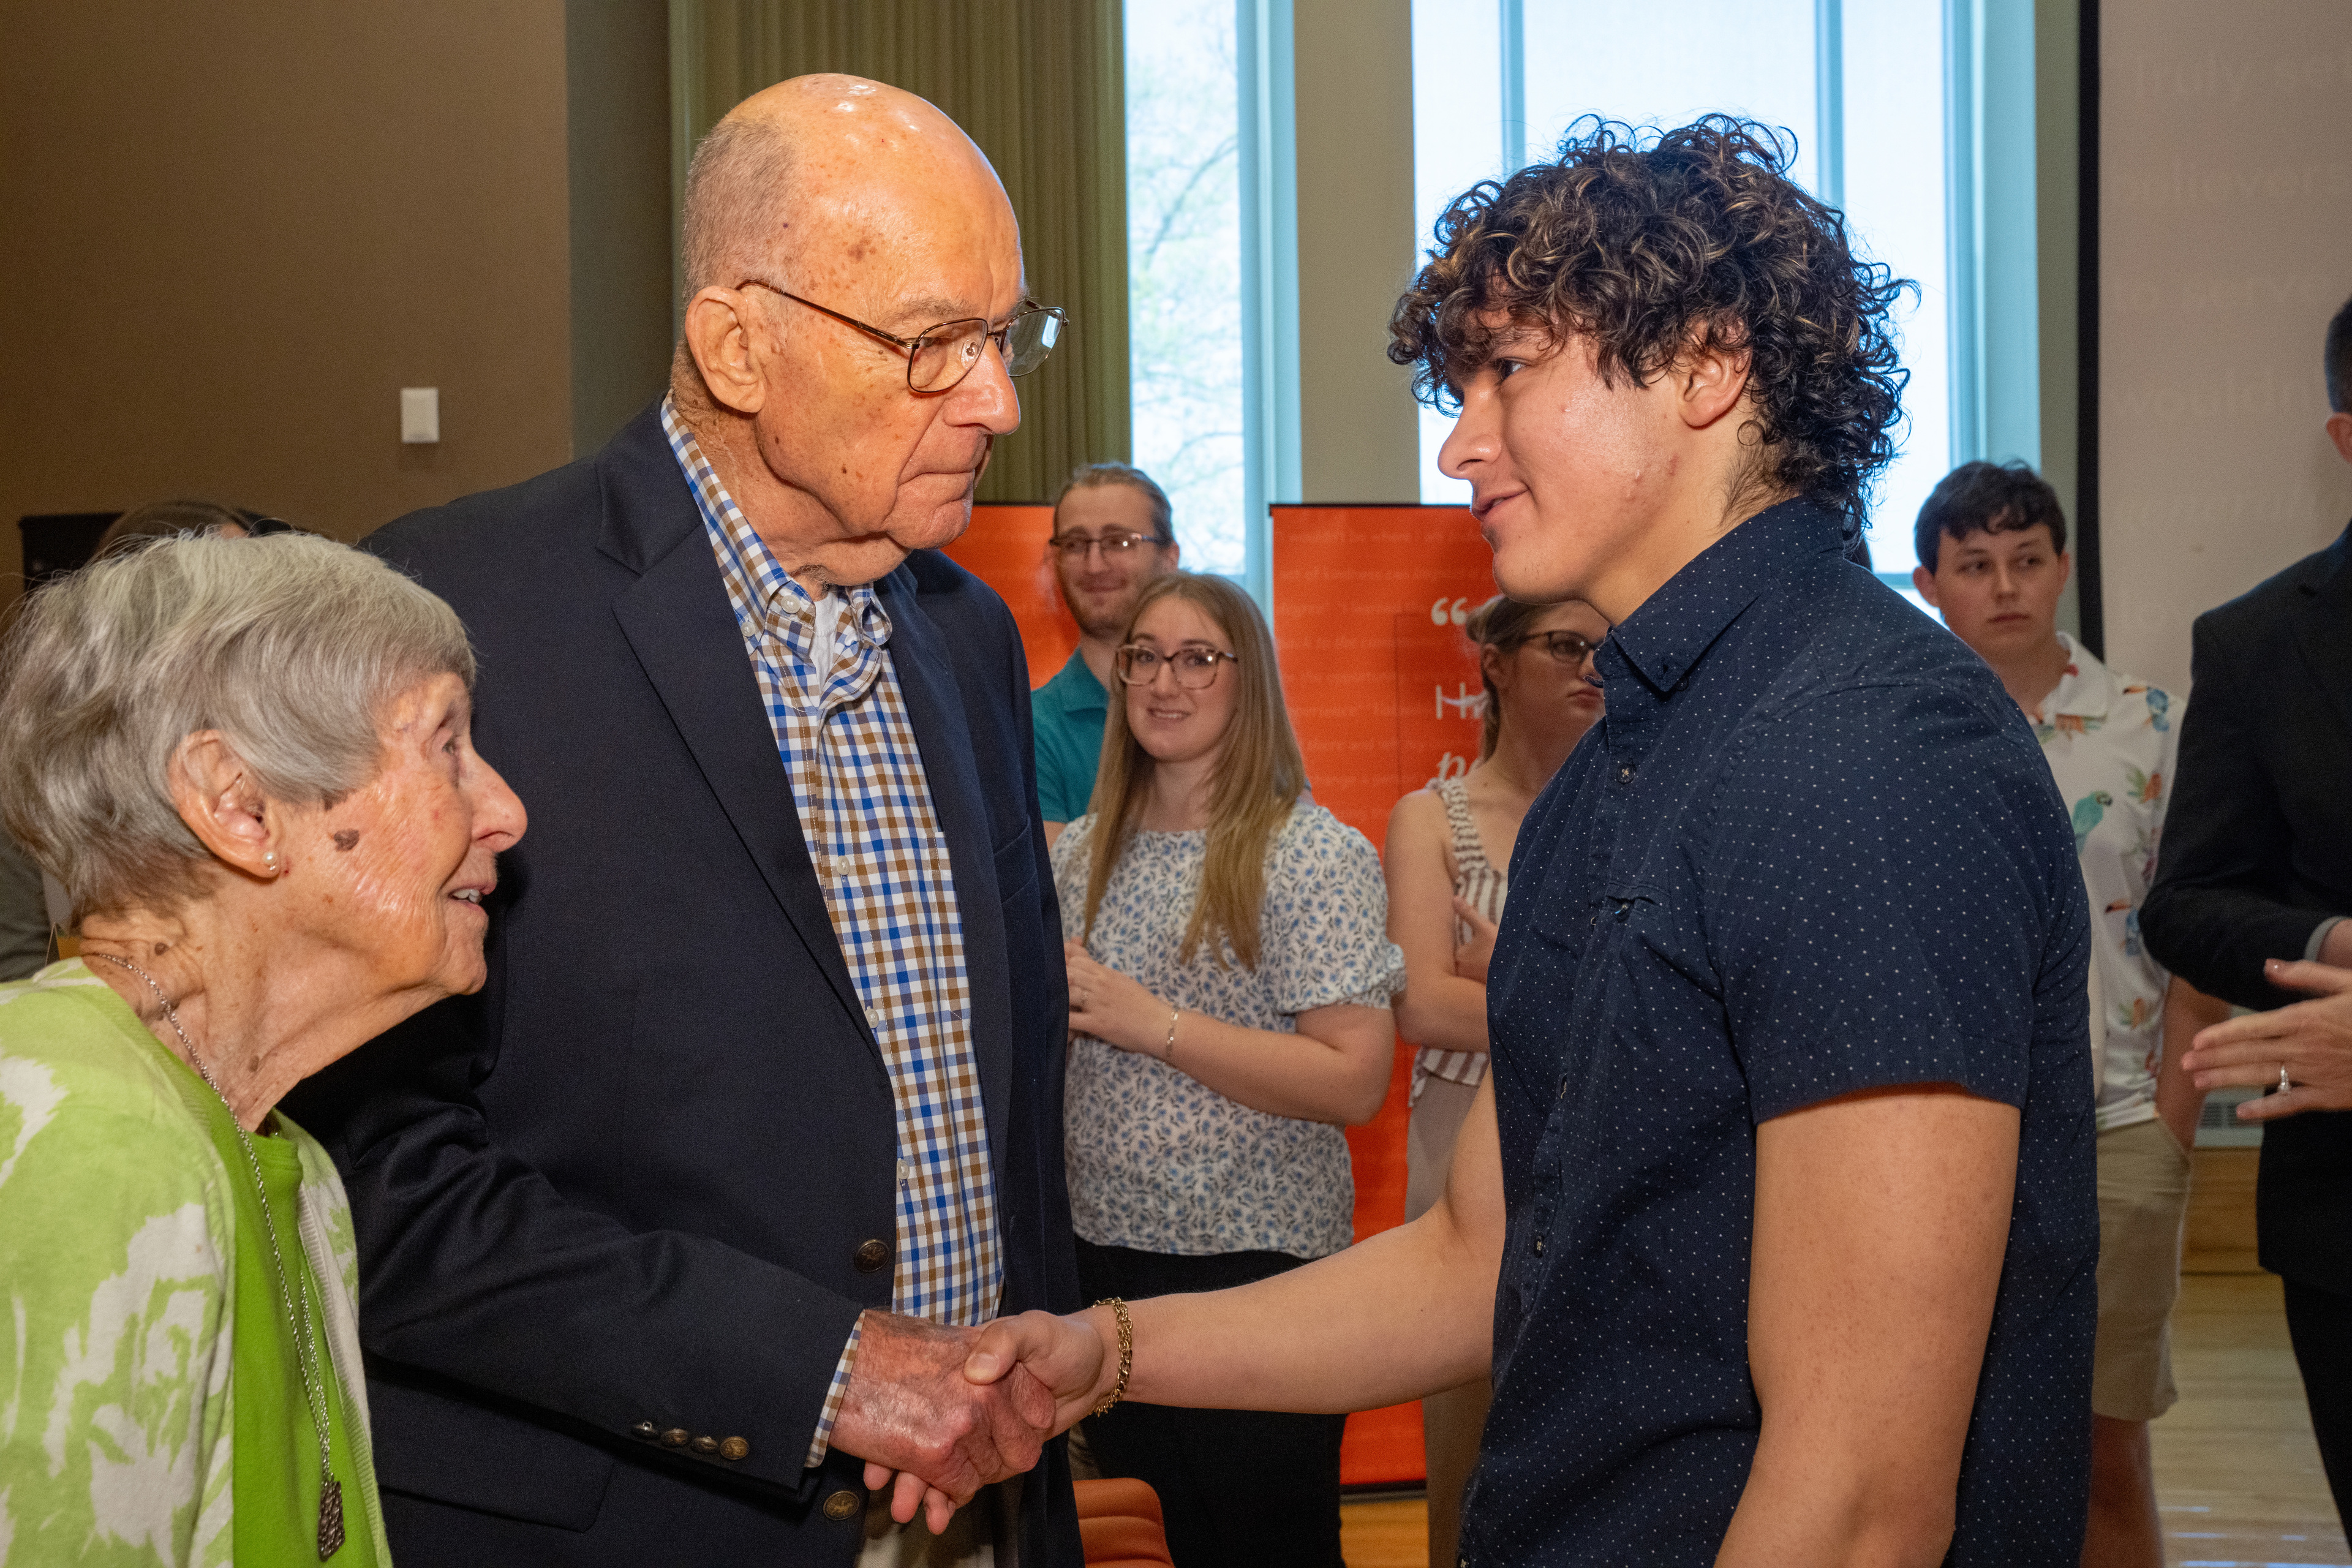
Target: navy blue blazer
x,y
621,1209
2258,850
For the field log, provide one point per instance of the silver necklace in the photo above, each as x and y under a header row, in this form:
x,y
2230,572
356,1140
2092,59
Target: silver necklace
x,y
298,1303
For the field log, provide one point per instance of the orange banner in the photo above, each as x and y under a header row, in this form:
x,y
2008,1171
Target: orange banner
x,y
1005,548
1383,690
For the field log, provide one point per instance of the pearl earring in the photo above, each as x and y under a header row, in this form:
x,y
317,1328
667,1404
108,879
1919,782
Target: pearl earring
x,y
269,858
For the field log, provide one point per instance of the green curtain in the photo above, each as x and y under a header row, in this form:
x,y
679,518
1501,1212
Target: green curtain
x,y
1038,84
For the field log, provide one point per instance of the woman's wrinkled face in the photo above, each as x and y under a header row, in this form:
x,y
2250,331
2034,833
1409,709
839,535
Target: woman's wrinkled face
x,y
1168,721
397,871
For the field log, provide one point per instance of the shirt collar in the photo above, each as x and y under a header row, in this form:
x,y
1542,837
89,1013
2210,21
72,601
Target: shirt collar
x,y
2085,690
1078,685
1663,640
757,583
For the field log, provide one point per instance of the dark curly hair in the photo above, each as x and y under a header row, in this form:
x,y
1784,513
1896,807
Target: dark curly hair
x,y
1653,243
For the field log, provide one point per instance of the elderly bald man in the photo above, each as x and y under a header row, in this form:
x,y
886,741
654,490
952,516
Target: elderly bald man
x,y
679,1226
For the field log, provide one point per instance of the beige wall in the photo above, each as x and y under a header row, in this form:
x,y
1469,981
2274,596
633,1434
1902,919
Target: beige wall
x,y
1353,71
235,230
2225,244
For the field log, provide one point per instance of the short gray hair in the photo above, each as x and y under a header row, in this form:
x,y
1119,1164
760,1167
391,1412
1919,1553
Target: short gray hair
x,y
738,190
290,645
1094,476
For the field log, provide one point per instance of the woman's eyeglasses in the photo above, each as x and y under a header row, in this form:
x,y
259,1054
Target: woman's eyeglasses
x,y
1566,647
1195,667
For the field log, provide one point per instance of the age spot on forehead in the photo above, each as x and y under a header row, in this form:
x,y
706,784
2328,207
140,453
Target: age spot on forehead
x,y
347,838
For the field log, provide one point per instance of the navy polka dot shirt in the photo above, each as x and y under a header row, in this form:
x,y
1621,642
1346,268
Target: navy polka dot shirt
x,y
1812,848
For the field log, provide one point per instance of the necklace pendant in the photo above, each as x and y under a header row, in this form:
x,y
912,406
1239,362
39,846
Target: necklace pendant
x,y
330,1517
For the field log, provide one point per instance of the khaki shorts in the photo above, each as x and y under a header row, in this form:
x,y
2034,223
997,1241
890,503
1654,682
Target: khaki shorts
x,y
2143,1209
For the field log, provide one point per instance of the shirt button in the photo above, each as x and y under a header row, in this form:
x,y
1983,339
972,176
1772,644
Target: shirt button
x,y
871,1256
1625,775
1539,1247
906,1171
840,1505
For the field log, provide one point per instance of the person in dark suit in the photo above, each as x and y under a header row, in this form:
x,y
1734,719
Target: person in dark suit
x,y
673,1239
2255,873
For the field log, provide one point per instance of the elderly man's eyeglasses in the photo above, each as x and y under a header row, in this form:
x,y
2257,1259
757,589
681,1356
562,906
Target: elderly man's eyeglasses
x,y
1566,647
1114,546
940,357
1194,667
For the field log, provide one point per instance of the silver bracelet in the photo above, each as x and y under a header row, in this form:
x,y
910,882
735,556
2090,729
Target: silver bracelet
x,y
1167,1051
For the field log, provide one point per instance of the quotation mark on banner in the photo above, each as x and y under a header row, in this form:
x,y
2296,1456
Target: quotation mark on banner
x,y
1446,612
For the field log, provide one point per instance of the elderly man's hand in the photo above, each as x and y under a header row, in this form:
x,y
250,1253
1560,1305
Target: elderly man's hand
x,y
2311,1040
910,1408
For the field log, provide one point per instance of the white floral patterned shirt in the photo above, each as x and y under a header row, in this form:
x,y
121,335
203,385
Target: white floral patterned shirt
x,y
2110,743
1158,1161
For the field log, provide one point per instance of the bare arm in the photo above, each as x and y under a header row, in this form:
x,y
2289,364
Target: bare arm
x,y
1406,1314
2179,1100
1881,1220
1335,1068
1439,1009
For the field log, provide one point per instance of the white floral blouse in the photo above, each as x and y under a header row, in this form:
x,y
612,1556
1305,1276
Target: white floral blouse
x,y
1158,1161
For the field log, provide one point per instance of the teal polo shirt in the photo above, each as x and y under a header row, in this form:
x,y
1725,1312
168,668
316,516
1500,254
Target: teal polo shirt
x,y
1068,712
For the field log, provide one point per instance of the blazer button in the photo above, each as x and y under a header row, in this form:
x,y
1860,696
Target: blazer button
x,y
871,1256
706,1445
734,1448
675,1437
645,1431
840,1505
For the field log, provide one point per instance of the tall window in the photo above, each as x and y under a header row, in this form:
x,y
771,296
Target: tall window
x,y
1184,270
1862,86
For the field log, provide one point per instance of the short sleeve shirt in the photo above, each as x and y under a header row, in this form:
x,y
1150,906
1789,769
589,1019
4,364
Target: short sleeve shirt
x,y
1810,848
1157,1160
2110,742
1068,714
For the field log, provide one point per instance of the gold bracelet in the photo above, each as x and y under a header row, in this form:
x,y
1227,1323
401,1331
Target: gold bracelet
x,y
1167,1051
1125,1354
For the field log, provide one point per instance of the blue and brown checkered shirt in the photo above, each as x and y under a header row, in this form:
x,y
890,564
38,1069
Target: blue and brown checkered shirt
x,y
865,806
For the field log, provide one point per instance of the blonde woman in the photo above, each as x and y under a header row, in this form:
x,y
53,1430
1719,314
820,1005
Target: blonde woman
x,y
1229,1014
1447,848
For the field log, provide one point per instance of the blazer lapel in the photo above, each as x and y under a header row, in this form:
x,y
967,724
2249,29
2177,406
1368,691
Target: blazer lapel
x,y
677,620
2323,629
942,734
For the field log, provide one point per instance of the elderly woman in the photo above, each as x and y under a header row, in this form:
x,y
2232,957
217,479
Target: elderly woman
x,y
249,762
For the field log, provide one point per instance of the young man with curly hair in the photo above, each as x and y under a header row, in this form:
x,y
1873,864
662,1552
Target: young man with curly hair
x,y
1775,1222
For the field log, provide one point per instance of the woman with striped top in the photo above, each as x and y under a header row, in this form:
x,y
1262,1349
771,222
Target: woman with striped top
x,y
1447,846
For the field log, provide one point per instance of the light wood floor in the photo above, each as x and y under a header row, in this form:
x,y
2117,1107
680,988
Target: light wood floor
x,y
2236,1474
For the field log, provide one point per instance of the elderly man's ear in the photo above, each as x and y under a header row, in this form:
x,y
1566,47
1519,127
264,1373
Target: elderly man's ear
x,y
213,792
720,323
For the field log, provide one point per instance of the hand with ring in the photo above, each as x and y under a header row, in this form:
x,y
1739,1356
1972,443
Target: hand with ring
x,y
1112,1007
2302,1054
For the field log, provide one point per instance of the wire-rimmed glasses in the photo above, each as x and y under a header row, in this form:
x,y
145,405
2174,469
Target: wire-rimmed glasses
x,y
1115,545
938,357
1194,665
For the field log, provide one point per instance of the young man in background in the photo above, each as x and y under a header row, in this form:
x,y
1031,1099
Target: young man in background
x,y
1111,536
1992,557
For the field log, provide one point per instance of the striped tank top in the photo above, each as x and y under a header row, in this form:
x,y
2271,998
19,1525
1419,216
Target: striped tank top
x,y
1478,882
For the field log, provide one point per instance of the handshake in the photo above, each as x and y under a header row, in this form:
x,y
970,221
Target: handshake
x,y
938,1411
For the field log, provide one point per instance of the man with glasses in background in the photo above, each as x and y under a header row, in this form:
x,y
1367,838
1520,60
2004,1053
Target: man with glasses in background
x,y
1112,537
674,1235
